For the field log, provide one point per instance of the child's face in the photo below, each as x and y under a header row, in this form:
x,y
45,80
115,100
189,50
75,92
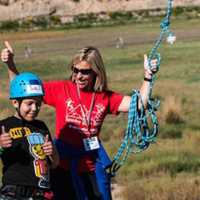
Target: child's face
x,y
29,108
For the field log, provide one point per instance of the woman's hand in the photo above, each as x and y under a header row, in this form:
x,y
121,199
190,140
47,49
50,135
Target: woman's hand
x,y
144,90
7,54
5,139
150,70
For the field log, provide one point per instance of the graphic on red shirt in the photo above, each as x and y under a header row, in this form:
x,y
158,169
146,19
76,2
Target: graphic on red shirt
x,y
75,114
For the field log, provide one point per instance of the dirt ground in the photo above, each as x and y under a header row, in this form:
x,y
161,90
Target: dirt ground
x,y
118,192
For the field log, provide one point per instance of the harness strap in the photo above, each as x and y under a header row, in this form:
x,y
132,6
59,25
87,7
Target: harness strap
x,y
103,162
66,151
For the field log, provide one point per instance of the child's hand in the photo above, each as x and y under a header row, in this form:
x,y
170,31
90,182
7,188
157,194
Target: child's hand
x,y
7,54
5,139
50,150
47,146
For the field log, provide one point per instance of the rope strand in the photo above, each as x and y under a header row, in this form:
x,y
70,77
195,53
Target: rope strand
x,y
142,127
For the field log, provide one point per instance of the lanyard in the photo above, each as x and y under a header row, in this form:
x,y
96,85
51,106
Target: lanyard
x,y
87,119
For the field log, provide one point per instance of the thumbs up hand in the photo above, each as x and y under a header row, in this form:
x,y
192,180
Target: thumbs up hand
x,y
5,139
7,54
51,151
47,146
148,72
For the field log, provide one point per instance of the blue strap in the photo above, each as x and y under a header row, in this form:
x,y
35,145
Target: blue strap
x,y
66,151
78,185
103,180
103,158
103,162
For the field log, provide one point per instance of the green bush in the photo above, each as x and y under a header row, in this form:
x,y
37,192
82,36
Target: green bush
x,y
41,21
178,11
86,18
121,15
9,25
188,12
95,19
27,23
55,20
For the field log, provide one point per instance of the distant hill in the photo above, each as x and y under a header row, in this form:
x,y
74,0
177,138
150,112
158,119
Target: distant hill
x,y
66,9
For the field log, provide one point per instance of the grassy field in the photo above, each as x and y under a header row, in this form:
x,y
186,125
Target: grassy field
x,y
170,168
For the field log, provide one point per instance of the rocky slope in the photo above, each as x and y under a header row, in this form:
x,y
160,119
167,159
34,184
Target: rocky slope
x,y
18,9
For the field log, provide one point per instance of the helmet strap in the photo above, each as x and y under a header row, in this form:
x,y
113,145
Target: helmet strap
x,y
18,109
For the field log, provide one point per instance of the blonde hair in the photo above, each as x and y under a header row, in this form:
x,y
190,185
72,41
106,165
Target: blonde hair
x,y
93,57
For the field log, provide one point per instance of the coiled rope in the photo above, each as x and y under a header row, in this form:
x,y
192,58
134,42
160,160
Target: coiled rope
x,y
142,125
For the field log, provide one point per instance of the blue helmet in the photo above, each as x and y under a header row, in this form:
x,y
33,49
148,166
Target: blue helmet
x,y
24,85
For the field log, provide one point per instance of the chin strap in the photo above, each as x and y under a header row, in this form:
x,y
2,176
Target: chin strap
x,y
18,109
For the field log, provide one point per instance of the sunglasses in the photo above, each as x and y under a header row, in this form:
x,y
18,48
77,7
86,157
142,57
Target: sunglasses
x,y
82,71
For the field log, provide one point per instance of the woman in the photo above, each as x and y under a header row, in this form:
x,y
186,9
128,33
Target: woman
x,y
81,104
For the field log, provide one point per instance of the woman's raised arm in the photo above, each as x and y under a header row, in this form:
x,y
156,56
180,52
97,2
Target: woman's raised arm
x,y
7,55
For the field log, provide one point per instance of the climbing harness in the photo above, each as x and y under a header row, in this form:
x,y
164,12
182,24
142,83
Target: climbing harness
x,y
142,125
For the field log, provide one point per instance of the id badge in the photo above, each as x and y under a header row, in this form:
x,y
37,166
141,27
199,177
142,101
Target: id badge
x,y
91,143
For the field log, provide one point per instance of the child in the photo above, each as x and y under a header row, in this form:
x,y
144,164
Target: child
x,y
27,152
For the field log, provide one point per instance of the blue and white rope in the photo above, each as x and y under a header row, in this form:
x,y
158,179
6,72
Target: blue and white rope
x,y
138,135
142,125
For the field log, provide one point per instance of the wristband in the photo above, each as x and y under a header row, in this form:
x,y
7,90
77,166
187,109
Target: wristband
x,y
148,79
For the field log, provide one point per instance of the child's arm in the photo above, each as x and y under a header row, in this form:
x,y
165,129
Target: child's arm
x,y
7,55
51,151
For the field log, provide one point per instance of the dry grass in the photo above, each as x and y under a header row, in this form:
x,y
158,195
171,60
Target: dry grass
x,y
5,113
172,110
165,188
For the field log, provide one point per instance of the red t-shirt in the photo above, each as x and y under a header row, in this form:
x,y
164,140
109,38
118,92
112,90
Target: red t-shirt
x,y
71,112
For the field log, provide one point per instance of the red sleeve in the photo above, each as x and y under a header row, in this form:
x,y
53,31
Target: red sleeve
x,y
52,90
115,100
